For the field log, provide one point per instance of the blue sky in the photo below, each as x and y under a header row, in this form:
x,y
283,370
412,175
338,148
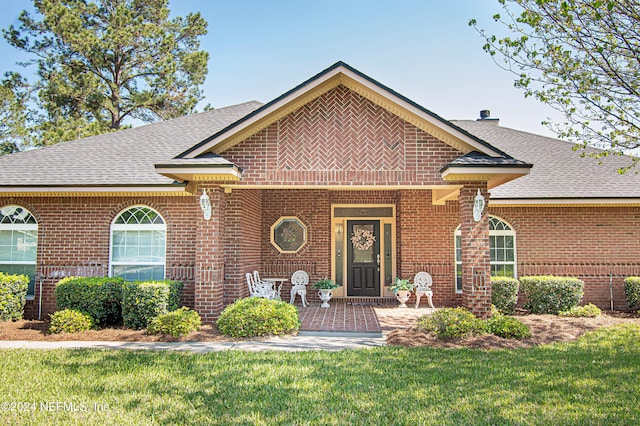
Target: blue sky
x,y
424,50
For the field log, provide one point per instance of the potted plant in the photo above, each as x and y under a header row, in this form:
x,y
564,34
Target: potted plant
x,y
325,288
402,289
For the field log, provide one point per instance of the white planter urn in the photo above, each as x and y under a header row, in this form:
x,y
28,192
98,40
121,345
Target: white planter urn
x,y
403,296
325,295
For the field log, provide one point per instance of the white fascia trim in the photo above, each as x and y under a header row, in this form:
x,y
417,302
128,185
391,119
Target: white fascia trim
x,y
214,170
563,201
92,189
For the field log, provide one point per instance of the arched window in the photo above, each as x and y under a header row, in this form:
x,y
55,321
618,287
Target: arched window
x,y
19,243
502,245
138,241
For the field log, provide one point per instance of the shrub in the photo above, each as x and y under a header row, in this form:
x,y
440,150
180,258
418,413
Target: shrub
x,y
508,327
258,317
449,323
101,298
504,294
587,311
70,321
549,295
177,323
143,301
175,290
13,296
632,291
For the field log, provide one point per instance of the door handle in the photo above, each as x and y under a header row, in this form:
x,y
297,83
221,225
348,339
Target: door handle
x,y
378,259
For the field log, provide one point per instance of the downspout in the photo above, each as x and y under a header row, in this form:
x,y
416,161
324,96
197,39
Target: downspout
x,y
40,302
611,289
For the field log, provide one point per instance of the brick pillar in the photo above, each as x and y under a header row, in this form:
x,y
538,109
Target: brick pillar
x,y
476,270
209,267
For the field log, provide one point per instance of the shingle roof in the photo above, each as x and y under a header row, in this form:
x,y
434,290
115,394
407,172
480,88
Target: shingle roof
x,y
477,159
558,171
126,157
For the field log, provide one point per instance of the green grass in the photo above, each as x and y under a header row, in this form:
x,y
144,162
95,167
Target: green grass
x,y
595,380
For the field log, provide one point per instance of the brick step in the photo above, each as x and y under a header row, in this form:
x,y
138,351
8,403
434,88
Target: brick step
x,y
369,301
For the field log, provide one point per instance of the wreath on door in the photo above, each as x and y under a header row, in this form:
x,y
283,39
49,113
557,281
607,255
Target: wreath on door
x,y
362,239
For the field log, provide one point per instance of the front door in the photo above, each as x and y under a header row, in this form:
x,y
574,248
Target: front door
x,y
363,258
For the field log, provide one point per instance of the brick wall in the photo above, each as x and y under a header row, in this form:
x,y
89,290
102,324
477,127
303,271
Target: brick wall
x,y
600,245
339,138
74,238
243,241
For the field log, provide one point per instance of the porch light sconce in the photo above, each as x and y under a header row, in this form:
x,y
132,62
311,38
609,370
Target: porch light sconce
x,y
478,206
205,205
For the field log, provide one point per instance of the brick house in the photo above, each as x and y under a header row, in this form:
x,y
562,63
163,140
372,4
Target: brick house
x,y
304,182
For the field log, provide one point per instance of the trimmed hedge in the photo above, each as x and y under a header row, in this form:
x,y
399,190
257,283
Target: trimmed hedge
x,y
70,321
549,294
101,298
255,316
504,294
632,291
142,302
178,323
175,290
13,296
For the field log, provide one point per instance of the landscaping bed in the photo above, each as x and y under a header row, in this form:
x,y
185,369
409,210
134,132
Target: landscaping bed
x,y
545,329
37,330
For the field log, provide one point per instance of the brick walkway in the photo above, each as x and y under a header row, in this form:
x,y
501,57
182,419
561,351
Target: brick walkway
x,y
358,318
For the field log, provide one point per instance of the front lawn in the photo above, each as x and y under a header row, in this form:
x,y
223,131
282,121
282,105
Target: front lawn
x,y
594,380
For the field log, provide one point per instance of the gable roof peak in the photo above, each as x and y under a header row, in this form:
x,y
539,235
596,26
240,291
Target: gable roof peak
x,y
341,73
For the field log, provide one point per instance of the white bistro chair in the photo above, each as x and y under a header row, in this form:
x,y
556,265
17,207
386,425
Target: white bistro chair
x,y
264,289
299,281
268,284
422,282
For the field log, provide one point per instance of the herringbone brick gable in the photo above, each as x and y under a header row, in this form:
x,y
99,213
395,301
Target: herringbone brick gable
x,y
341,137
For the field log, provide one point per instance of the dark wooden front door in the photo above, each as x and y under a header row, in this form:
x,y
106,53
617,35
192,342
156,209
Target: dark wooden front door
x,y
363,258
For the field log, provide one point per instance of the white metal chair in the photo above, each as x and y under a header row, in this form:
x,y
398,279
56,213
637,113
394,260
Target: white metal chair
x,y
256,289
268,284
423,282
299,281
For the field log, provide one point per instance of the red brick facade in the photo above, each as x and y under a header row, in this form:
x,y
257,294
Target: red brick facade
x,y
338,140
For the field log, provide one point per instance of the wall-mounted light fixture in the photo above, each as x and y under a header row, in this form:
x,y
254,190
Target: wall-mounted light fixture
x,y
205,205
478,206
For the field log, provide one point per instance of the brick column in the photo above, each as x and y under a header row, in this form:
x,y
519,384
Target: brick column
x,y
476,270
209,267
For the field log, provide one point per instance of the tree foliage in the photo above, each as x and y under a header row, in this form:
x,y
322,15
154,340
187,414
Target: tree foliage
x,y
13,113
102,61
581,57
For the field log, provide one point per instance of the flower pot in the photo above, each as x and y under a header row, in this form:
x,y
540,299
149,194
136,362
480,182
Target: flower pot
x,y
403,296
325,295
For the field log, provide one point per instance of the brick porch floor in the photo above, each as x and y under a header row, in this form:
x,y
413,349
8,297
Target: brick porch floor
x,y
342,317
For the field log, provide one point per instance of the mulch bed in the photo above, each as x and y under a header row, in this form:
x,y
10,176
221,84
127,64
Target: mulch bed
x,y
545,329
37,330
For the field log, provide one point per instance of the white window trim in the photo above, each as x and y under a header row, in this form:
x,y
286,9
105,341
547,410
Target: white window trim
x,y
495,233
131,227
